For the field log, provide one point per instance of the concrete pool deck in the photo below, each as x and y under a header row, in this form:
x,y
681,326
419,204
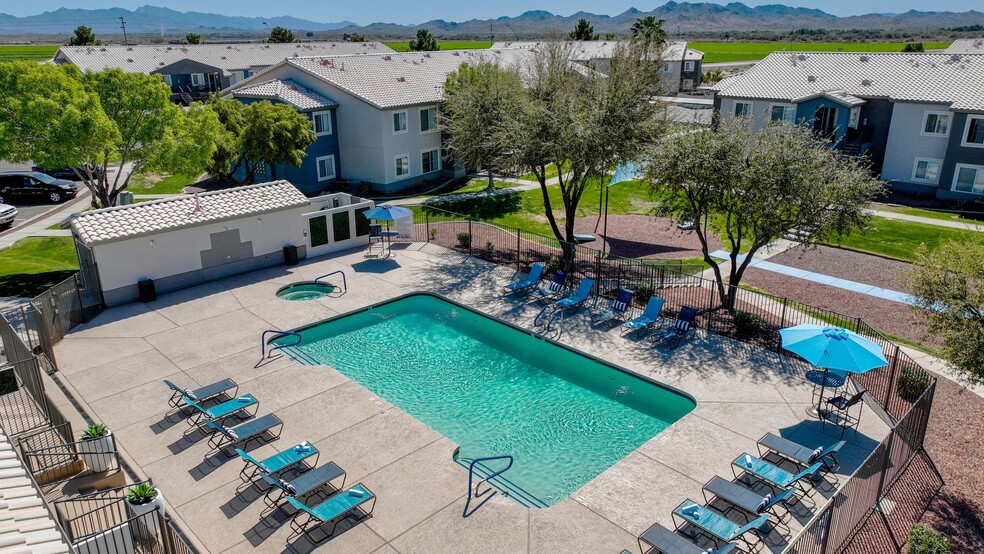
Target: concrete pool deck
x,y
113,367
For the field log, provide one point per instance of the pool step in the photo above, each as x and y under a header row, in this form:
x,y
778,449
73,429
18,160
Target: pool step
x,y
503,485
299,356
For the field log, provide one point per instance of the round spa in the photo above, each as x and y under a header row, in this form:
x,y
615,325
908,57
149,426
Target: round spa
x,y
305,290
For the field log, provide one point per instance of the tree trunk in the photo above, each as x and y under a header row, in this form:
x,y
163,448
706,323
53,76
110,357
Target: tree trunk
x,y
491,186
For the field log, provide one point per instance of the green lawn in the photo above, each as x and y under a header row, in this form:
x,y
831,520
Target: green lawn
x,y
551,173
444,45
932,214
749,51
172,184
901,239
11,52
35,264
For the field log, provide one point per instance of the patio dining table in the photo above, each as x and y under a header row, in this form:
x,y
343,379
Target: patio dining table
x,y
822,380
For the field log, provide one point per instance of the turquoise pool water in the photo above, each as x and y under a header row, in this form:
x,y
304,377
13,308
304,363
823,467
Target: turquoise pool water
x,y
494,389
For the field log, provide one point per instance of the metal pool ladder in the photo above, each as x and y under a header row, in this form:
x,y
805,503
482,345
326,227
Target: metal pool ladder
x,y
278,333
340,272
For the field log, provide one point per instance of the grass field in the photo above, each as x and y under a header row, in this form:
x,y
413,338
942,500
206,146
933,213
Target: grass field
x,y
749,51
444,45
901,239
35,264
11,52
172,184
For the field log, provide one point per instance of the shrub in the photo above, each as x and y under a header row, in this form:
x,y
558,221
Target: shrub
x,y
643,292
141,494
923,540
489,250
911,383
433,233
553,264
747,324
94,431
464,239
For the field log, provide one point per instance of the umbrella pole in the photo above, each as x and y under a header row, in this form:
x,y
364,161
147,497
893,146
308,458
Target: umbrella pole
x,y
823,389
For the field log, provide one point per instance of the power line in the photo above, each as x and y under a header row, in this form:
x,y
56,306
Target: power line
x,y
123,23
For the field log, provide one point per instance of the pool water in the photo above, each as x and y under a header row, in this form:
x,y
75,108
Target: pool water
x,y
305,291
494,389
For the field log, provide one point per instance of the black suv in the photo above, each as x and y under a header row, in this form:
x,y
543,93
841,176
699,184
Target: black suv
x,y
67,173
33,184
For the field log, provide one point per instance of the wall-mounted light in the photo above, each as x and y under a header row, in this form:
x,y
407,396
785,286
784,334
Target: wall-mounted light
x,y
152,244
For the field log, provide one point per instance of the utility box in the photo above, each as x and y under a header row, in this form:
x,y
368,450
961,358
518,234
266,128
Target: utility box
x,y
124,198
146,289
290,255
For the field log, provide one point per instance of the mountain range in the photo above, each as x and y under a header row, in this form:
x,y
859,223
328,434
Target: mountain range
x,y
680,17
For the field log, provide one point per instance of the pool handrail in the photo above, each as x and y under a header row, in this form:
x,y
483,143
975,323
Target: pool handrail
x,y
340,272
263,341
471,470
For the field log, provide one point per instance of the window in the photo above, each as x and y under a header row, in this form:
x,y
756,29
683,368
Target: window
x,y
167,79
666,68
197,79
853,117
428,120
430,160
688,84
322,123
936,123
689,66
974,133
402,165
927,171
783,112
326,168
399,122
743,109
969,178
236,76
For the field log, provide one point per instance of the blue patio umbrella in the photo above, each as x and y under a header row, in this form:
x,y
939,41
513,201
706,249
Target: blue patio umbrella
x,y
626,171
832,348
387,213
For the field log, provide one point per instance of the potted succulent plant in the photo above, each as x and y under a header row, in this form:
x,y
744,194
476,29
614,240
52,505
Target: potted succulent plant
x,y
143,499
96,446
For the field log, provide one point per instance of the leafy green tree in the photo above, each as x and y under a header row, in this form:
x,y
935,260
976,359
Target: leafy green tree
x,y
192,38
755,187
258,133
424,42
914,47
478,102
609,36
583,31
281,34
949,283
83,37
651,30
711,76
356,37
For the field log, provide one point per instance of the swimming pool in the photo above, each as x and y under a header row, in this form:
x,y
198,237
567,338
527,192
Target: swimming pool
x,y
495,389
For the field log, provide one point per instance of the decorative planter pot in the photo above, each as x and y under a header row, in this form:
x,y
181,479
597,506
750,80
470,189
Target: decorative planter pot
x,y
146,527
97,453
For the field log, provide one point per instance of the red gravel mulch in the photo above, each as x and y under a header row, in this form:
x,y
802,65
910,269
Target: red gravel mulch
x,y
847,264
643,236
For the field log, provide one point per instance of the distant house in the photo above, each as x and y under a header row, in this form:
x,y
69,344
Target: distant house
x,y
195,71
918,117
376,115
681,64
966,46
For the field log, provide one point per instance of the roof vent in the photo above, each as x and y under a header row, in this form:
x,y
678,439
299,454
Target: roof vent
x,y
864,58
455,53
811,78
387,58
401,79
427,54
955,57
866,82
129,60
801,57
130,49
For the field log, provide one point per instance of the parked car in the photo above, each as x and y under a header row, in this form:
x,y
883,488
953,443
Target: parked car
x,y
67,173
26,184
7,215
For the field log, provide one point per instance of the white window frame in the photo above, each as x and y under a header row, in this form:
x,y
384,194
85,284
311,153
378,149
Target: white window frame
x,y
201,79
167,79
956,175
949,123
853,118
750,113
915,167
236,76
396,166
314,125
786,108
689,65
317,165
406,122
437,157
432,129
963,138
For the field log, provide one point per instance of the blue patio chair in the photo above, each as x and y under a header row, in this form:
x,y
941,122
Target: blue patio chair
x,y
717,526
523,286
670,542
682,330
241,435
774,475
202,394
799,454
294,458
642,324
616,311
544,293
237,406
574,302
341,505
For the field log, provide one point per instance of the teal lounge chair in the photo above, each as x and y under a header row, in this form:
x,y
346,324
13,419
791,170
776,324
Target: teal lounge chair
x,y
616,311
237,406
303,486
241,435
343,504
669,542
683,329
573,302
544,293
292,458
523,286
774,475
642,324
799,454
747,501
718,527
201,394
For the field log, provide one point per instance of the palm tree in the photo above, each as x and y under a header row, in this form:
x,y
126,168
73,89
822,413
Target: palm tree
x,y
650,30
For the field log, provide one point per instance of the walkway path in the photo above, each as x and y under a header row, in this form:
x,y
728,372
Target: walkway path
x,y
853,286
929,221
520,185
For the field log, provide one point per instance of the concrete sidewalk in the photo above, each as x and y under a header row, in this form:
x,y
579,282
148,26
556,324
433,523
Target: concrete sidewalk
x,y
929,221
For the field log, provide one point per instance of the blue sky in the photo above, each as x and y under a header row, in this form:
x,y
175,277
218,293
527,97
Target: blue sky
x,y
402,11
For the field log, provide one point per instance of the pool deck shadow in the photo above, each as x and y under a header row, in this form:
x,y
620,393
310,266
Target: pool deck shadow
x,y
742,392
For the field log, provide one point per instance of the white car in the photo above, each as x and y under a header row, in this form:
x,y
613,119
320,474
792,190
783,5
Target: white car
x,y
7,215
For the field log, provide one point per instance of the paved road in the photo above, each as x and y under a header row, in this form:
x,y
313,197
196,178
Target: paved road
x,y
45,215
27,210
726,65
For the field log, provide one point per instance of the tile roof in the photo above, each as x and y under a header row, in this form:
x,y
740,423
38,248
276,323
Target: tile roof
x,y
124,222
600,49
288,91
27,524
400,79
966,46
953,79
229,57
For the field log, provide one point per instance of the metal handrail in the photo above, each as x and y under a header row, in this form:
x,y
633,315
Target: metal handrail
x,y
340,272
471,470
263,341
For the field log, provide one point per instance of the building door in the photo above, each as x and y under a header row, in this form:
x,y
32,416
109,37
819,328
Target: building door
x,y
825,121
213,82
